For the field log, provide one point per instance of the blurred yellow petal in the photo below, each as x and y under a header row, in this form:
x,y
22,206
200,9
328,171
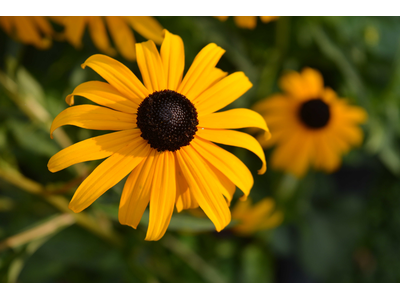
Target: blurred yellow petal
x,y
237,139
99,35
122,36
162,196
227,163
104,94
197,77
151,66
222,93
136,193
109,173
173,59
147,27
313,81
92,149
74,28
206,191
248,22
119,76
266,19
94,117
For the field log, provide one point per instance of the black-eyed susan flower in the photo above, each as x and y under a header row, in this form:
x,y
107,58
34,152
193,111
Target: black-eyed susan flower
x,y
119,28
164,136
310,125
248,22
31,30
257,217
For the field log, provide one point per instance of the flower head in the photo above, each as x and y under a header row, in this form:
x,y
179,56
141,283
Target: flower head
x,y
119,28
164,134
32,30
310,125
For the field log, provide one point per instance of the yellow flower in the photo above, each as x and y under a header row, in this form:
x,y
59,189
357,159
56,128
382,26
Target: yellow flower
x,y
256,217
32,30
119,29
310,125
248,22
165,129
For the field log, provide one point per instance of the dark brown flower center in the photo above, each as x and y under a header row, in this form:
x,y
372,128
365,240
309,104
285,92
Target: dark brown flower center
x,y
168,120
314,113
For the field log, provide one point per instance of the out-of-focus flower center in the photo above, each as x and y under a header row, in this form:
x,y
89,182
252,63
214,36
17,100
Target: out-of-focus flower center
x,y
168,120
314,113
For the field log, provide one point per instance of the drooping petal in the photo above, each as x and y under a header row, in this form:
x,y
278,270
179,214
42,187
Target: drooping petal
x,y
173,59
136,193
248,22
119,76
104,94
93,117
147,27
227,187
109,173
235,138
197,78
74,28
205,190
122,36
92,149
234,118
151,66
162,196
227,163
99,35
222,93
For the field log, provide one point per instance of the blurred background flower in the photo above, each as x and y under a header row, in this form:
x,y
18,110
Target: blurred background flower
x,y
248,22
311,125
120,28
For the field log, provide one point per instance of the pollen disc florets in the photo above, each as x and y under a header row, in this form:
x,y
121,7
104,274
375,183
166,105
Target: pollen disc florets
x,y
167,119
314,113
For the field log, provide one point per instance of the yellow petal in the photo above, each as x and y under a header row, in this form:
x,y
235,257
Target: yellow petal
x,y
92,149
234,118
136,193
104,94
197,78
147,27
266,19
221,18
93,117
227,187
162,196
205,190
74,28
313,81
151,66
173,59
293,84
248,22
122,36
235,138
222,93
28,33
43,25
119,76
184,199
295,154
227,163
109,173
99,35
